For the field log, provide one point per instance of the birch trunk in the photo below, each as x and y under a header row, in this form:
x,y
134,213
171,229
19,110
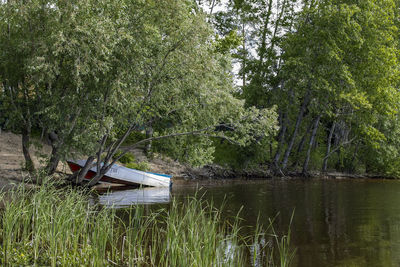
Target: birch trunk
x,y
303,139
328,147
312,140
149,134
296,129
300,147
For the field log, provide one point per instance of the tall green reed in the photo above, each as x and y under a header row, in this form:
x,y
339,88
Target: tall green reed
x,y
59,227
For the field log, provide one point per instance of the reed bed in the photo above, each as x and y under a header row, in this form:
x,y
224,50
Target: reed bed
x,y
60,227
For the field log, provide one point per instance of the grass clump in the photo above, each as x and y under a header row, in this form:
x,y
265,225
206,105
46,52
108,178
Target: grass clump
x,y
127,158
59,227
142,166
50,227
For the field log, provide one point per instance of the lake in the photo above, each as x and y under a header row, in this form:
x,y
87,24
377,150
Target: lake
x,y
336,222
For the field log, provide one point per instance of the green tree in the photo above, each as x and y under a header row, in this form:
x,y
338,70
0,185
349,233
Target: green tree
x,y
22,42
174,89
109,68
330,63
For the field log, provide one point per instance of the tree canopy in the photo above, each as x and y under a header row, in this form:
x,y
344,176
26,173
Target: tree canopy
x,y
331,68
188,74
94,71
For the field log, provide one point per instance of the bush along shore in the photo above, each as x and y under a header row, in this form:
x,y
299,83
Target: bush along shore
x,y
48,226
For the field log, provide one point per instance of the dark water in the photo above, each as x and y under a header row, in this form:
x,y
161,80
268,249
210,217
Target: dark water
x,y
336,222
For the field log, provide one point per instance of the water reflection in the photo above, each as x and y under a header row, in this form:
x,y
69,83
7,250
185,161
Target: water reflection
x,y
126,198
336,222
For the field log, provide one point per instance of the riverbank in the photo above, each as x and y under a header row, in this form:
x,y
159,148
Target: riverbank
x,y
12,159
11,162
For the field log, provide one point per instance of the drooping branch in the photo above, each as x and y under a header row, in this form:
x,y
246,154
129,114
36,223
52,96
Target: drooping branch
x,y
197,133
200,132
106,167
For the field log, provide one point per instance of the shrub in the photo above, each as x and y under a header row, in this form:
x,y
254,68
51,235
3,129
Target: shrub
x,y
134,137
141,166
127,158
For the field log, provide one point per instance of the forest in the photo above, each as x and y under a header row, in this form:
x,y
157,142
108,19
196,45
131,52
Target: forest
x,y
284,85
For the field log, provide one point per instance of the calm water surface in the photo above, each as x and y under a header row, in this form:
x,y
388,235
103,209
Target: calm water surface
x,y
336,222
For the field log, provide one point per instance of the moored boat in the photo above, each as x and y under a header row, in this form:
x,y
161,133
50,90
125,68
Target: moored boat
x,y
123,175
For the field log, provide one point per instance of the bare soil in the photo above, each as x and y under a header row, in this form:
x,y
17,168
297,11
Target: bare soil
x,y
11,160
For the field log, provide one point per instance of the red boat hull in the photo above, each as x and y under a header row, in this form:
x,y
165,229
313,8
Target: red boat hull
x,y
75,167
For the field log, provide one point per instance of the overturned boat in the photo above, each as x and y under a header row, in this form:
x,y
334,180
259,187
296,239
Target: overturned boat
x,y
122,175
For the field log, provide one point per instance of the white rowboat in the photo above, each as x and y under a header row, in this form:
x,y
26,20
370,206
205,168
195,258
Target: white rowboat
x,y
123,175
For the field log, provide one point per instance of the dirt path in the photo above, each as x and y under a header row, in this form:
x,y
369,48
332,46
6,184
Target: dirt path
x,y
12,159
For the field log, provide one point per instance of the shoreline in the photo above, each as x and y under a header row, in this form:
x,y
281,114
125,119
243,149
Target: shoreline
x,y
11,171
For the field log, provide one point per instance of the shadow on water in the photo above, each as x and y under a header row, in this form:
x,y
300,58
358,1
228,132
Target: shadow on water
x,y
336,222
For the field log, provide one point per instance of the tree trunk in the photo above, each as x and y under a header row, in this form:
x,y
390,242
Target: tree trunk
x,y
312,140
296,129
263,46
29,165
328,147
42,134
78,176
54,158
244,54
303,139
300,147
339,139
149,134
100,173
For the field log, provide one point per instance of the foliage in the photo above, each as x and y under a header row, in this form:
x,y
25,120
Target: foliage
x,y
99,74
129,160
193,150
134,137
250,156
102,69
125,158
330,62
